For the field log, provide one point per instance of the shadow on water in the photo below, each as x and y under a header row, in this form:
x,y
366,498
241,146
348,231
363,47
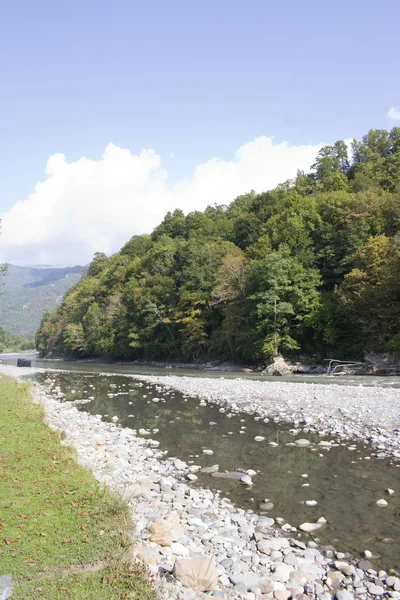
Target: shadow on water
x,y
345,483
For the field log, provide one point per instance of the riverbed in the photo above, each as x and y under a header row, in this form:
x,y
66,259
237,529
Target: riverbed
x,y
343,479
347,463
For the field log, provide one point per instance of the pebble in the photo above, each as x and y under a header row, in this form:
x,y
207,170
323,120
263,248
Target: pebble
x,y
381,502
310,527
375,590
344,595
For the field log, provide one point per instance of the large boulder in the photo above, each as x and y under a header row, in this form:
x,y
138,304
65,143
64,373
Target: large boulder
x,y
278,368
199,574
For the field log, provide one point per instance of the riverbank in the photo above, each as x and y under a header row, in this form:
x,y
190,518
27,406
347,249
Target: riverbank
x,y
369,414
245,555
62,534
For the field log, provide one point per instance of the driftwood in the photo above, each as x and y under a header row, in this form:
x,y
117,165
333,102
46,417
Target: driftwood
x,y
340,364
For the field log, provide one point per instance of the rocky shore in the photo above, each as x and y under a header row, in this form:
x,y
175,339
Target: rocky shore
x,y
198,546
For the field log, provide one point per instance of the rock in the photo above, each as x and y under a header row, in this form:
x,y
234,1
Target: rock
x,y
179,549
343,595
246,480
390,492
6,587
282,594
381,502
278,368
251,473
367,554
240,588
302,442
282,573
266,546
311,527
259,438
248,579
180,465
267,586
266,506
265,522
393,582
114,419
198,574
147,556
192,477
208,452
165,531
230,475
311,503
213,469
375,590
226,563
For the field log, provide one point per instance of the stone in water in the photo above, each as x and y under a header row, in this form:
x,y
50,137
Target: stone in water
x,y
381,502
311,527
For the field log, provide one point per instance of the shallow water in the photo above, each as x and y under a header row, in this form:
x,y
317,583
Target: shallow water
x,y
97,367
345,484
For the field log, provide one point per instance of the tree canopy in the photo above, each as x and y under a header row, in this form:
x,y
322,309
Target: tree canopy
x,y
309,267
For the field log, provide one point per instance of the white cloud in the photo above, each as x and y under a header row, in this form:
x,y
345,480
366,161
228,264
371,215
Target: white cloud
x,y
394,113
97,205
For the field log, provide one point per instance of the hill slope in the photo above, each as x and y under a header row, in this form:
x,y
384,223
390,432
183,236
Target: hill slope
x,y
29,291
310,267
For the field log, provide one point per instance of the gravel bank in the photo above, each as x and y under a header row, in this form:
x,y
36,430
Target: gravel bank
x,y
206,547
370,414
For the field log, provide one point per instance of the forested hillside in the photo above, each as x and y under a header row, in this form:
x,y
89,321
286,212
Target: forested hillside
x,y
309,267
27,292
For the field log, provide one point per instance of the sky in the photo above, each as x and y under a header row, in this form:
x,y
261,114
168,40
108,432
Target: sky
x,y
112,113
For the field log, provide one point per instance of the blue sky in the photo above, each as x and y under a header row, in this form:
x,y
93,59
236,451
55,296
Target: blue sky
x,y
191,80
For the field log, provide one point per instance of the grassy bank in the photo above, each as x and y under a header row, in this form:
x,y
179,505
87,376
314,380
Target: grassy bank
x,y
61,535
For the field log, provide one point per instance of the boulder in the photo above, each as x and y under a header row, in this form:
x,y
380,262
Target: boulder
x,y
166,531
198,574
278,368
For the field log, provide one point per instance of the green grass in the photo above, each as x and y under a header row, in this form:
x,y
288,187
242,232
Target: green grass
x,y
61,535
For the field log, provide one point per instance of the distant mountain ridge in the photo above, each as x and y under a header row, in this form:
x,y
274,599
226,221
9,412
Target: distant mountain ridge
x,y
29,291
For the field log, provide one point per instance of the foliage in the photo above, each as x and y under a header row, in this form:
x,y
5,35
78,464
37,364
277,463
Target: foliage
x,y
28,292
310,267
14,343
56,522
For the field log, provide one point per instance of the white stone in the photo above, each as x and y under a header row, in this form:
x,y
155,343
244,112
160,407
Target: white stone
x,y
259,438
310,527
179,549
381,502
246,480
